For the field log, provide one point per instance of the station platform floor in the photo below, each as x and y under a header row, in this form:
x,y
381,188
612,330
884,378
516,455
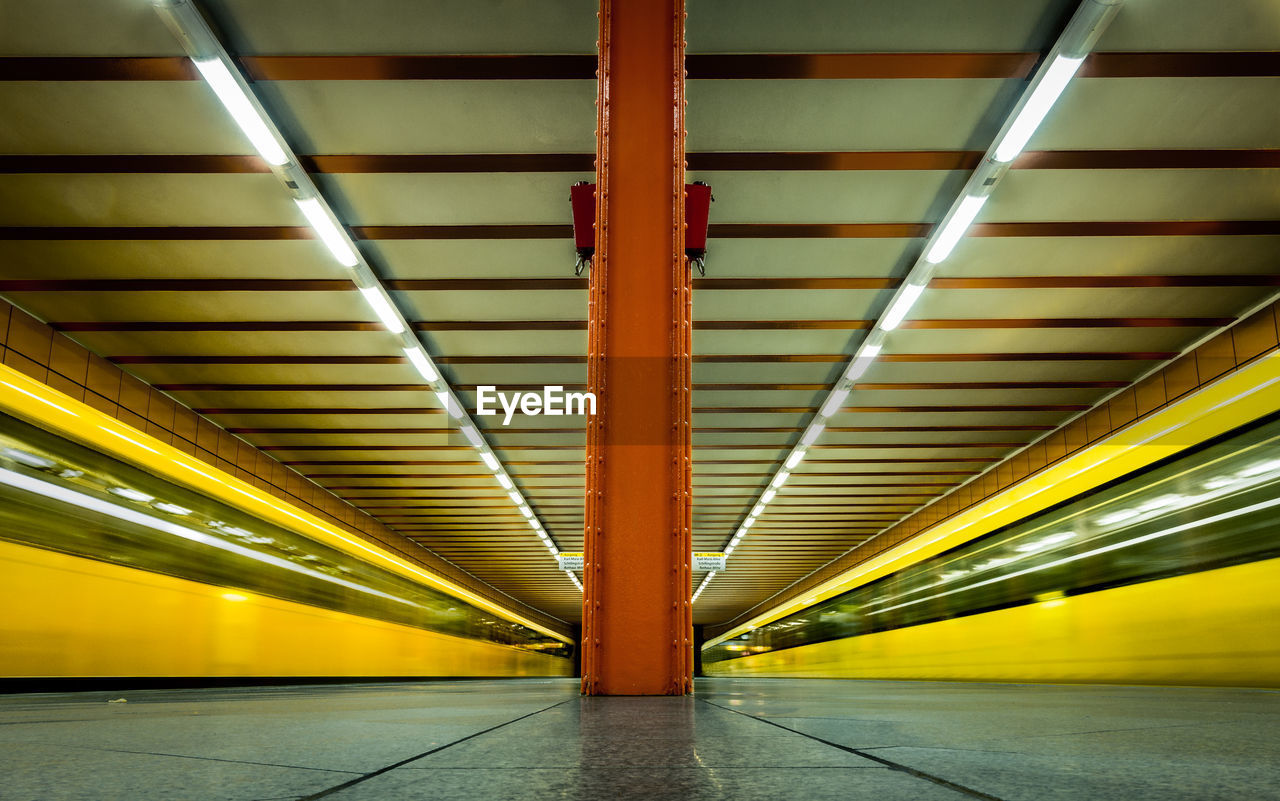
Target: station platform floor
x,y
741,739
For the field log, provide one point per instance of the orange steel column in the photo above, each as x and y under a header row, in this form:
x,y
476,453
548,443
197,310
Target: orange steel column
x,y
637,620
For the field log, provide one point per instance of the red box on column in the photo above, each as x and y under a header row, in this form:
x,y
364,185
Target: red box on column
x,y
697,210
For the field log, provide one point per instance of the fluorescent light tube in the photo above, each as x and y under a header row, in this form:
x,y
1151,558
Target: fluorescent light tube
x,y
901,306
768,496
489,460
794,459
728,551
382,307
749,522
515,497
946,241
420,361
449,404
505,481
526,511
1033,111
757,511
242,110
833,404
333,239
860,364
473,436
811,434
780,478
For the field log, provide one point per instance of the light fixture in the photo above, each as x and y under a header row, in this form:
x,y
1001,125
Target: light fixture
x,y
505,481
173,509
834,401
859,365
1037,105
952,230
490,461
910,293
515,497
241,108
812,433
758,510
427,371
794,459
473,436
749,522
526,511
780,478
768,496
374,296
325,226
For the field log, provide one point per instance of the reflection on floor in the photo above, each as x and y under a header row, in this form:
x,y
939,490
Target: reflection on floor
x,y
739,739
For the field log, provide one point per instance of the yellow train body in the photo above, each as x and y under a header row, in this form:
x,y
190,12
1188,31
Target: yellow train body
x,y
1216,627
68,616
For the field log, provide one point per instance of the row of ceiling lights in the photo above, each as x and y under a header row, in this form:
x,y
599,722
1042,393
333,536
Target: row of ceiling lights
x,y
1046,86
222,75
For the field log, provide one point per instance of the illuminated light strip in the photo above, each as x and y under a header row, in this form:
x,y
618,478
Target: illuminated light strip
x,y
390,318
36,397
1073,44
129,440
1197,500
1102,549
236,99
705,581
330,234
215,64
1217,398
85,501
90,423
573,577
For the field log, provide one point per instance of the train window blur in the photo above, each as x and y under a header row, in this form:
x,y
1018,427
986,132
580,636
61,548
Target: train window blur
x,y
58,495
1214,507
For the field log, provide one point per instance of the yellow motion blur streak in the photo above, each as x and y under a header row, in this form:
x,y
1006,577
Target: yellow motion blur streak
x,y
1233,400
30,400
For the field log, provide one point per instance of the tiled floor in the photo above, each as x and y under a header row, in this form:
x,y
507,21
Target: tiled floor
x,y
736,739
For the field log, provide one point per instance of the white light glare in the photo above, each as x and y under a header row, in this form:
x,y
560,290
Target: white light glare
x,y
859,365
526,511
333,239
382,307
748,523
473,436
901,306
490,461
241,110
131,494
768,496
794,459
1037,106
780,478
950,235
515,497
812,434
834,401
505,481
450,405
423,366
757,511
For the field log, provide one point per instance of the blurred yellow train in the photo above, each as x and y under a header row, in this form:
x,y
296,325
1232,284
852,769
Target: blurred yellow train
x,y
1167,576
107,570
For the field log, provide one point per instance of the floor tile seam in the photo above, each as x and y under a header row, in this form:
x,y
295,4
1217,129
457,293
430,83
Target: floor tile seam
x,y
897,766
647,766
365,777
190,756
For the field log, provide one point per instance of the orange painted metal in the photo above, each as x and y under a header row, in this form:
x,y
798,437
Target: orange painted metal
x,y
637,617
